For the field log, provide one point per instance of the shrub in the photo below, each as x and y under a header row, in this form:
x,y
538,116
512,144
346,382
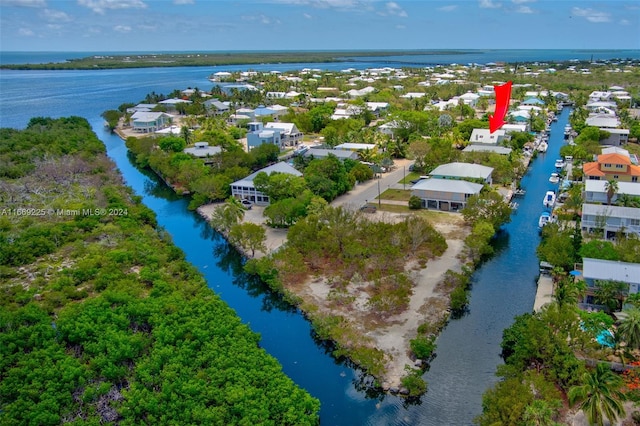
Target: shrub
x,y
422,347
415,202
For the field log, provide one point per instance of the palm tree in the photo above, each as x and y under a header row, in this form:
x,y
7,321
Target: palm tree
x,y
629,328
611,186
600,396
540,413
610,293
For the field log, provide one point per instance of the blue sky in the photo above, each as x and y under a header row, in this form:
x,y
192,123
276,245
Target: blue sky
x,y
170,25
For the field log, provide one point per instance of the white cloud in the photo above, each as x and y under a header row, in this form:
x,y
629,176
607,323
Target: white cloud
x,y
591,15
180,2
263,19
122,28
489,4
394,9
449,8
100,6
55,15
524,9
306,15
24,3
523,1
26,32
327,4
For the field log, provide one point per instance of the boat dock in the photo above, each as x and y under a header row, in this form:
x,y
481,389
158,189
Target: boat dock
x,y
544,293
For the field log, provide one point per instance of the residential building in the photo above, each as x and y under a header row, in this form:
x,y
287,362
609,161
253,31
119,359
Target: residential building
x,y
149,122
341,154
515,128
502,150
356,146
215,107
445,194
171,104
603,121
290,135
463,171
258,135
595,191
612,166
610,220
594,270
202,150
486,137
617,137
245,190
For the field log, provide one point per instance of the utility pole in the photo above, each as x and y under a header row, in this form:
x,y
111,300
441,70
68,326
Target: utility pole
x,y
379,202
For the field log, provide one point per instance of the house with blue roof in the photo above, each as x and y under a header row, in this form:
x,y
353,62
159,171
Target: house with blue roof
x,y
258,135
533,101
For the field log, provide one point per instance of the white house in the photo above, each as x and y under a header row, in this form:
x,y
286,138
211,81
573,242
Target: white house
x,y
258,135
341,154
463,171
485,136
289,132
202,150
244,188
609,270
171,104
445,194
605,121
610,219
148,122
595,190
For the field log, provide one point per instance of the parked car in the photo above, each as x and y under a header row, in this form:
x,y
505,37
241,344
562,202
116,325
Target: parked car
x,y
368,208
246,204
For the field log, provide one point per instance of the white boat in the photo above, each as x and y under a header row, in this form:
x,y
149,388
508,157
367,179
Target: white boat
x,y
555,178
559,164
549,199
545,218
543,146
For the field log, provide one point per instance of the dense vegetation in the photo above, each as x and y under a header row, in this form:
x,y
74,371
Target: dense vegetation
x,y
101,318
201,59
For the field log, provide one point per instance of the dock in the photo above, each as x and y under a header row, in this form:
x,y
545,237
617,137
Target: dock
x,y
544,293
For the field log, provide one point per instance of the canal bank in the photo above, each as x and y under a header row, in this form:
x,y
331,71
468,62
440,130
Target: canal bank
x,y
468,349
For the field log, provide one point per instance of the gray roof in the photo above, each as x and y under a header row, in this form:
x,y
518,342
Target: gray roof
x,y
599,269
603,120
629,188
488,148
447,185
610,211
202,149
322,153
280,167
463,170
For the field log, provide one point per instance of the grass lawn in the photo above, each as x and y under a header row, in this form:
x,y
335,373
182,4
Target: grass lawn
x,y
396,195
633,148
410,176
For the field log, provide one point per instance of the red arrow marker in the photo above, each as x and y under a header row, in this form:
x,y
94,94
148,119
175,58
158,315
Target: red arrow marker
x,y
503,96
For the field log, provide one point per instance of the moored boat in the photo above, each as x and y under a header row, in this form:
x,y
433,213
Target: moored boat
x,y
544,219
549,199
555,178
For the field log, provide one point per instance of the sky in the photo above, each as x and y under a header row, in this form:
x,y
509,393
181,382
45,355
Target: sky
x,y
222,25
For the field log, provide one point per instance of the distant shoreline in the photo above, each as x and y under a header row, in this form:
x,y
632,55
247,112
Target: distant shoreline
x,y
124,60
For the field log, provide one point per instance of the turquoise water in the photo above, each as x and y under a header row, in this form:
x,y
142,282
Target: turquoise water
x,y
605,338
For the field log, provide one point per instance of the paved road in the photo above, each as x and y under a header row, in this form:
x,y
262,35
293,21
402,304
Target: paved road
x,y
369,191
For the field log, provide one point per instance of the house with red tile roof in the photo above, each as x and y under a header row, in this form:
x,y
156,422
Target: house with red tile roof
x,y
612,166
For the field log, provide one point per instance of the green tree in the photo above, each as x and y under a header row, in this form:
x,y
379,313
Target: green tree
x,y
611,186
629,328
228,214
172,144
610,293
599,249
249,236
541,413
599,395
488,206
112,118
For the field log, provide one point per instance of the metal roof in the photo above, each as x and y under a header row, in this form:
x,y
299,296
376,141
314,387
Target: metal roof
x,y
610,211
447,185
599,269
463,170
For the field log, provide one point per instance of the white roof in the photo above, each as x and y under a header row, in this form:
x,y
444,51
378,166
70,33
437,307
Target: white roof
x,y
463,170
287,128
447,185
280,167
602,120
355,146
412,95
488,148
174,101
202,149
173,130
507,127
599,269
629,188
146,115
322,153
615,150
485,136
610,211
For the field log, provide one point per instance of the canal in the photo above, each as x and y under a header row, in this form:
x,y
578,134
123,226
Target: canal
x,y
468,349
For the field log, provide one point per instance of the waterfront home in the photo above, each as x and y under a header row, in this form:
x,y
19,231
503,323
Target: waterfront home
x,y
289,133
244,189
502,150
141,107
617,137
515,128
485,136
445,194
149,122
532,102
612,166
463,171
604,121
594,270
202,150
609,220
258,135
595,191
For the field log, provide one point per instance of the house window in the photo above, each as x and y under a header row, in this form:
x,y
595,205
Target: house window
x,y
619,166
634,178
607,165
634,222
616,177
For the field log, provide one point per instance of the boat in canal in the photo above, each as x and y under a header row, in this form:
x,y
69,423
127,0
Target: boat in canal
x,y
549,199
555,178
544,219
